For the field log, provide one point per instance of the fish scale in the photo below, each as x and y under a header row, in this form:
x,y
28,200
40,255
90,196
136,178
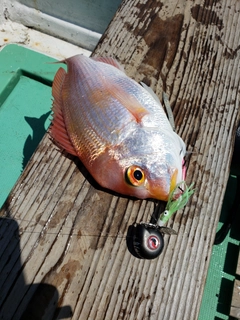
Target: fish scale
x,y
110,119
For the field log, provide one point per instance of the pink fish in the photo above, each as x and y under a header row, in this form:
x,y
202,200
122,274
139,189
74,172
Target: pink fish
x,y
117,128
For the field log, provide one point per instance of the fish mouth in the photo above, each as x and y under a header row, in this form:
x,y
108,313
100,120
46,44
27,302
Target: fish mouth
x,y
162,191
173,182
181,185
157,191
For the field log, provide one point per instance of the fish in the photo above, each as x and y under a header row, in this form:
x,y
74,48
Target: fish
x,y
117,128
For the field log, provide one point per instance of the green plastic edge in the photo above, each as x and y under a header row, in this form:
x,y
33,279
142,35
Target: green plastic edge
x,y
19,60
16,61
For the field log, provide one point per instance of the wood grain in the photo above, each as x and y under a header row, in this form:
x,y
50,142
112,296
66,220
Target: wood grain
x,y
71,258
235,303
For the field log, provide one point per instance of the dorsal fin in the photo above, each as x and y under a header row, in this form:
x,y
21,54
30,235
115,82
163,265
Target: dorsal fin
x,y
166,103
58,129
151,92
109,60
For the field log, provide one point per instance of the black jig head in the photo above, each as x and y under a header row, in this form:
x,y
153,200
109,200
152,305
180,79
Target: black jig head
x,y
148,241
147,238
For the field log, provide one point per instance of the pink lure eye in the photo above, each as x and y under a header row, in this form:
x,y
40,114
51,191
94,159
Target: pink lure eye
x,y
153,242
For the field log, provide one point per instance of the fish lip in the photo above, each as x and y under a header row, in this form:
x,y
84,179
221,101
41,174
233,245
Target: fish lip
x,y
163,196
162,191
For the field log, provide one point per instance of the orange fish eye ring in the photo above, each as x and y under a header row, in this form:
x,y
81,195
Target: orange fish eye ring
x,y
135,176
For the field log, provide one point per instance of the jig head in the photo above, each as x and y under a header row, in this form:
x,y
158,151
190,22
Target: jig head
x,y
148,240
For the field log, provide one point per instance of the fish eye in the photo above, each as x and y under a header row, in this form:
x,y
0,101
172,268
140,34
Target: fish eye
x,y
135,176
138,174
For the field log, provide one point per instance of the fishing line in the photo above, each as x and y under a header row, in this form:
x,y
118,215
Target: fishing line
x,y
144,240
56,233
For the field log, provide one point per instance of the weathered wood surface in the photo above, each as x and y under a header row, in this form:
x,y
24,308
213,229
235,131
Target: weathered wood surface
x,y
71,259
235,304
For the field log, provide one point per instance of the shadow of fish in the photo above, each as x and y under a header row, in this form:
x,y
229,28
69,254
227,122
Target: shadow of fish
x,y
38,130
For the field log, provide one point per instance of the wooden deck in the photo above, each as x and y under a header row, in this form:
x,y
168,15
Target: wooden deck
x,y
235,305
63,250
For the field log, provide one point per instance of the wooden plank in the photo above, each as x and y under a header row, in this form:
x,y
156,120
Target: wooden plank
x,y
238,266
235,303
71,259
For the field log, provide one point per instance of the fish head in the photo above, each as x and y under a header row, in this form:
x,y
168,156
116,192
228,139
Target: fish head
x,y
152,179
155,167
141,171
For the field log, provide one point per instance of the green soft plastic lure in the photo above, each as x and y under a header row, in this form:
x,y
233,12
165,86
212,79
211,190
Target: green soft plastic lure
x,y
174,205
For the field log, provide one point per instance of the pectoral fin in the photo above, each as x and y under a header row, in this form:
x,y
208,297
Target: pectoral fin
x,y
131,104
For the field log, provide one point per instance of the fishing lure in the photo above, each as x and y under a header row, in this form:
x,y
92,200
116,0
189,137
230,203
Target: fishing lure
x,y
148,240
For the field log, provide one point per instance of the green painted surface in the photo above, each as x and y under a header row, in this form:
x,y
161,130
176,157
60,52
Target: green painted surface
x,y
25,102
218,289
